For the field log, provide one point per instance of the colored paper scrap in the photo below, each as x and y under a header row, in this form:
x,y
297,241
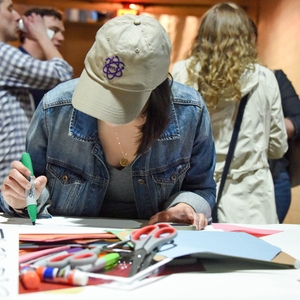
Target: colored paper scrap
x,y
253,231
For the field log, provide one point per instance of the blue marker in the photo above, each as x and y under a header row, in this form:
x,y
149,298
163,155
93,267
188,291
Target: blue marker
x,y
30,194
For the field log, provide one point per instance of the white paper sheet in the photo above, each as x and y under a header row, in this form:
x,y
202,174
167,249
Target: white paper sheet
x,y
9,267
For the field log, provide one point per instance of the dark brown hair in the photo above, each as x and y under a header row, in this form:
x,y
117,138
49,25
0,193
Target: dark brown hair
x,y
158,115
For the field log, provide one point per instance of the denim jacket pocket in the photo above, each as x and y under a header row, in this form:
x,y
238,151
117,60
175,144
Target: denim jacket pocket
x,y
66,187
170,178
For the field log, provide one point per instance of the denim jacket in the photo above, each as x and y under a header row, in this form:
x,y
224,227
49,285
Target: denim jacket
x,y
64,146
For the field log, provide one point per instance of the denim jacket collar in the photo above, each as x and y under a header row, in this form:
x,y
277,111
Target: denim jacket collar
x,y
83,127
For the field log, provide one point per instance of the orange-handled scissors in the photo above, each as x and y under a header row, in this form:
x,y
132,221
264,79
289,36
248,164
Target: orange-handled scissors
x,y
147,242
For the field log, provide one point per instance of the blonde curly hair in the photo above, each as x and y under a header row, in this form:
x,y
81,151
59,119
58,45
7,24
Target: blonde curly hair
x,y
225,48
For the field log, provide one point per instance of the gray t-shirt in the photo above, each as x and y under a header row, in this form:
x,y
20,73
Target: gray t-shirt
x,y
119,198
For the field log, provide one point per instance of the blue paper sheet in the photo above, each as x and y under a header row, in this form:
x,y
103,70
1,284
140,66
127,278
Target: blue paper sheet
x,y
235,244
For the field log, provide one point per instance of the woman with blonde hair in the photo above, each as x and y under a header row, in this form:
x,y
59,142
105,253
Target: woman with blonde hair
x,y
223,67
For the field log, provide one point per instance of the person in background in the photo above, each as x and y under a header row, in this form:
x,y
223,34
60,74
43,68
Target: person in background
x,y
291,111
123,140
223,67
279,167
53,20
18,73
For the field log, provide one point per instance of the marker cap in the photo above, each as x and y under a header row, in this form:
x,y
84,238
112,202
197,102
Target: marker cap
x,y
111,259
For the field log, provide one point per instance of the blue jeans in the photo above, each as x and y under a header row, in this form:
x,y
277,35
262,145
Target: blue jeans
x,y
282,187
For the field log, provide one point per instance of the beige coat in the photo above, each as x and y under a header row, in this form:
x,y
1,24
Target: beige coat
x,y
248,194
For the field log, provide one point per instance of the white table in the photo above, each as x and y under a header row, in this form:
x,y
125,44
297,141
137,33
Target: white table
x,y
226,281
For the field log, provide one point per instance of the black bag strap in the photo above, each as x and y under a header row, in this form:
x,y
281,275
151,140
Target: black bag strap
x,y
232,144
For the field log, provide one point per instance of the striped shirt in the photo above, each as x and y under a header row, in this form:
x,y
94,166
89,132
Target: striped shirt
x,y
18,73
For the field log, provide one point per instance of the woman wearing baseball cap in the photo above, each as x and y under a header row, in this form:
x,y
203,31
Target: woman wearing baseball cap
x,y
123,140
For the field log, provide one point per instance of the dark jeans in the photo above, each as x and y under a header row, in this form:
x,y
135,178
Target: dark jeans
x,y
282,195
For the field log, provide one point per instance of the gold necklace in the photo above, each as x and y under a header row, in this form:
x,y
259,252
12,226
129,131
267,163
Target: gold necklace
x,y
123,160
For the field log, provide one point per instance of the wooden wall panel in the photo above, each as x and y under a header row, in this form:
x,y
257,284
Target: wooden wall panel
x,y
279,37
79,38
93,4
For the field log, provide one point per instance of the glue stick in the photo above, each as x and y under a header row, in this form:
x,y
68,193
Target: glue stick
x,y
65,275
29,278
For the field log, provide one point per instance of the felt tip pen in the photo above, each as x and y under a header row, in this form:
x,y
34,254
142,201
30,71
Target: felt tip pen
x,y
30,194
106,262
64,275
29,278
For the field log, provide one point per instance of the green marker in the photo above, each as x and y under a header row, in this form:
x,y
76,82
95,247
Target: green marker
x,y
30,194
105,262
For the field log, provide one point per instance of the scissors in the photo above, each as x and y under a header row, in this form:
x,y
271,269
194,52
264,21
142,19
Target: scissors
x,y
76,259
147,242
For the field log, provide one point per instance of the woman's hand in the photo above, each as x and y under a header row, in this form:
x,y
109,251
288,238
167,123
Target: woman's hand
x,y
181,213
15,184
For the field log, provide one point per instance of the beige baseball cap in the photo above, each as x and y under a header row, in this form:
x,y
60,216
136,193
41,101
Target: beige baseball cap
x,y
128,60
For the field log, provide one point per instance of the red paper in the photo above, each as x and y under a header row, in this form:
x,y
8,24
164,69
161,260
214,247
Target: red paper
x,y
253,231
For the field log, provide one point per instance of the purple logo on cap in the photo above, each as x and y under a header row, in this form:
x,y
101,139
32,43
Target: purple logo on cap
x,y
113,67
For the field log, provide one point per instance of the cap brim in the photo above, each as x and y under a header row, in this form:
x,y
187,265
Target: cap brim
x,y
110,105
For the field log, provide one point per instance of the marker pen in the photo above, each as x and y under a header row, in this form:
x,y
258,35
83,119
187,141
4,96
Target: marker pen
x,y
30,194
65,275
29,278
104,262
